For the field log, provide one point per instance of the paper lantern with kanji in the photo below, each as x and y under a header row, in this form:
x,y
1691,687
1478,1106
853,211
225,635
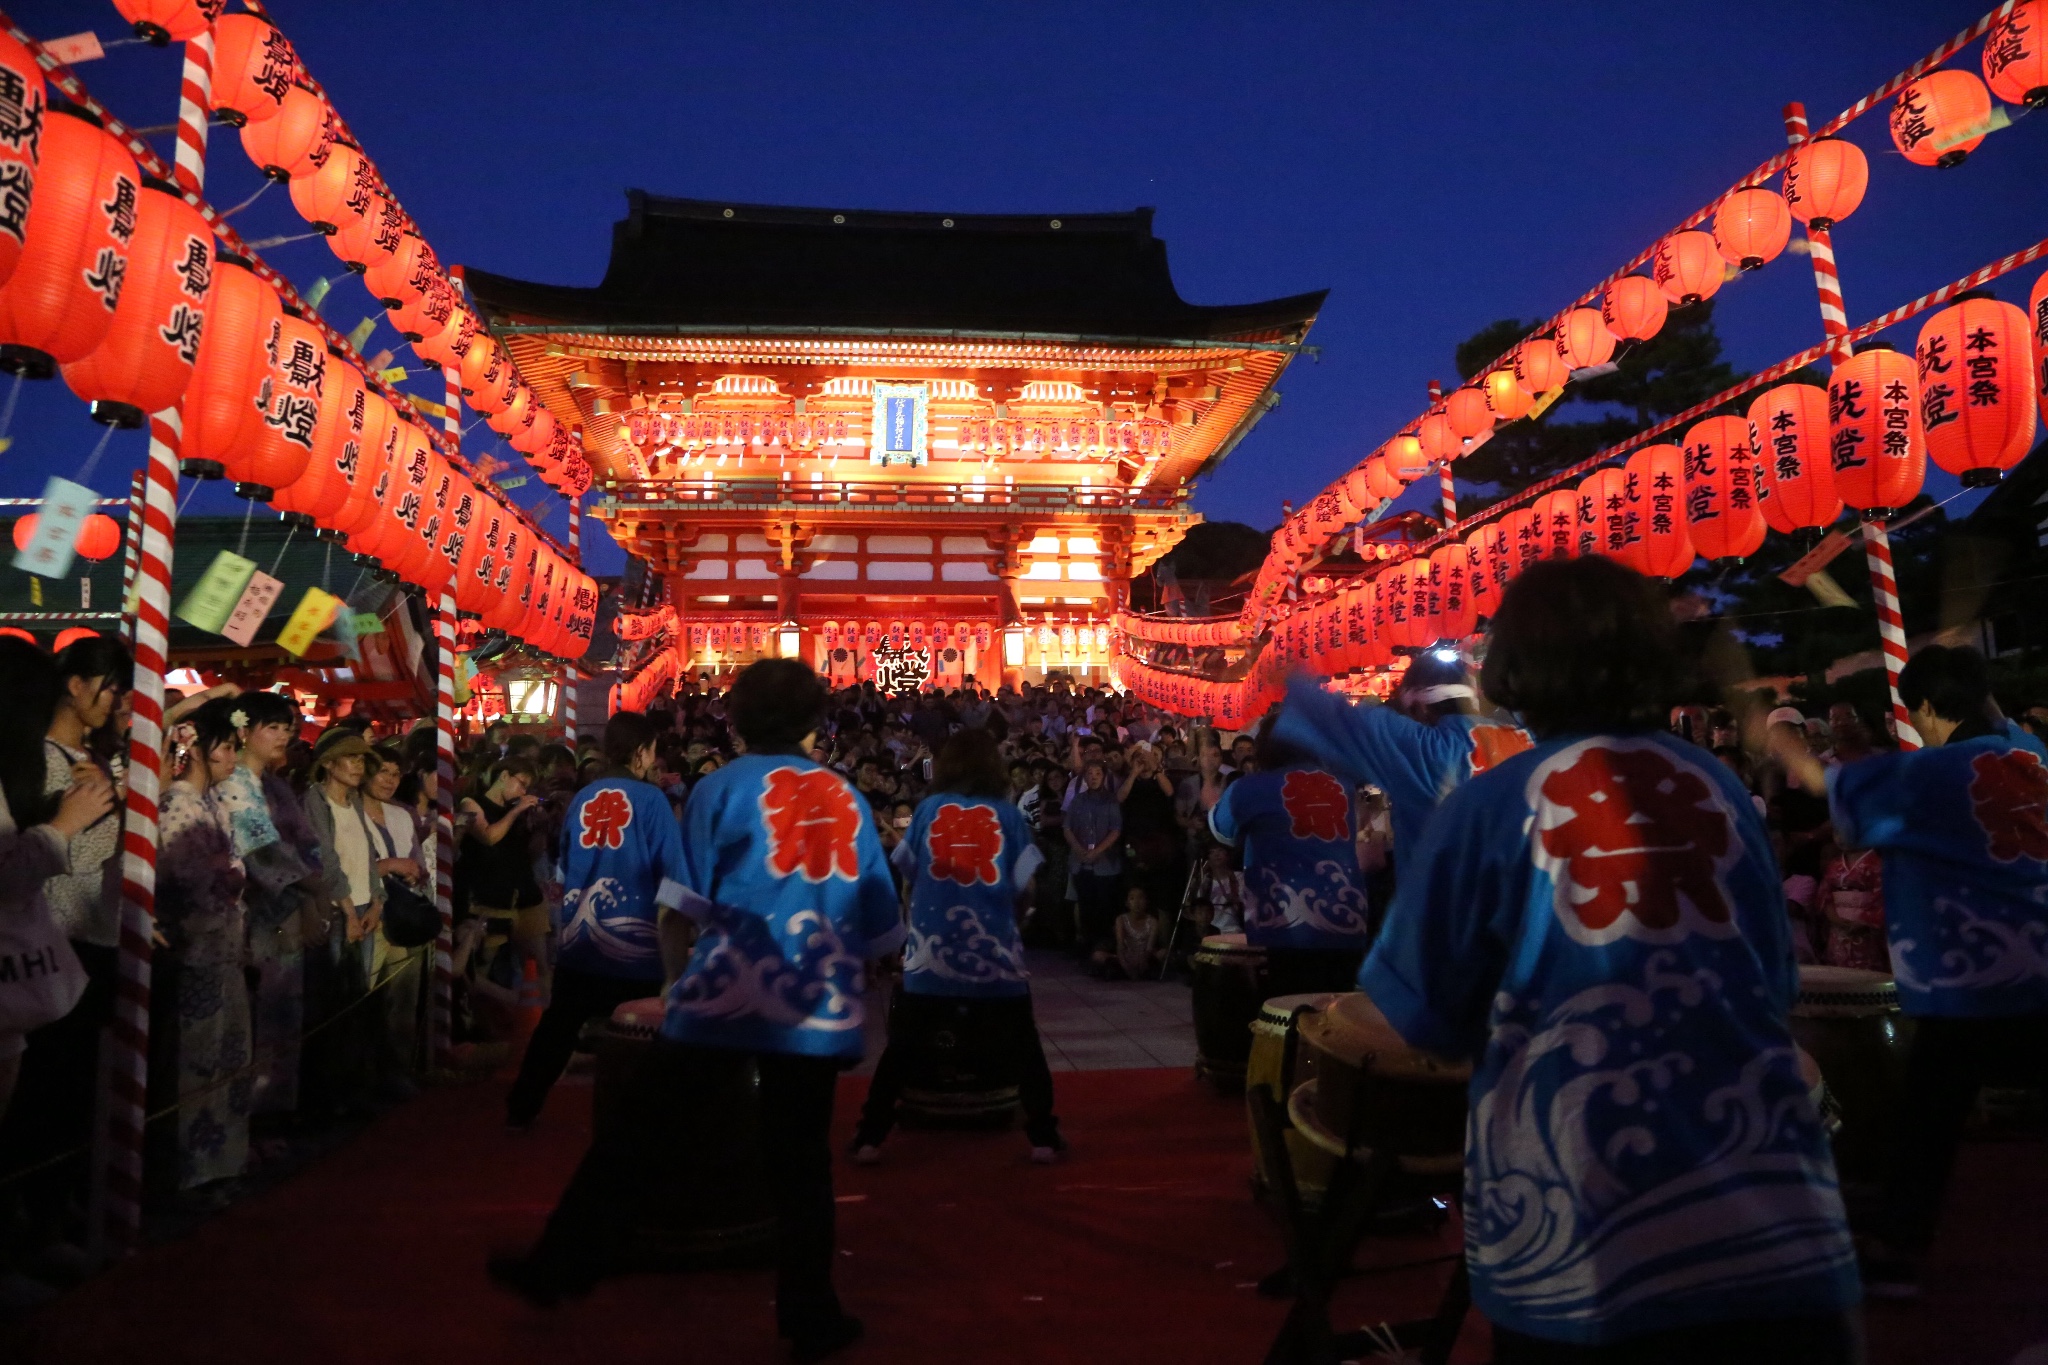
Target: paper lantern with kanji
x,y
1489,565
1616,534
1751,227
373,456
486,375
323,489
538,434
1469,414
1406,460
222,416
283,145
392,535
451,343
58,304
518,555
1975,361
1358,490
431,569
1634,308
1397,601
1654,482
145,361
1874,435
1505,398
1523,529
1687,266
516,415
1586,519
476,532
1451,570
1440,440
1720,493
21,119
1932,110
1540,366
368,241
2016,55
2037,311
253,68
1583,340
1558,524
336,192
276,451
1824,181
1788,431
159,22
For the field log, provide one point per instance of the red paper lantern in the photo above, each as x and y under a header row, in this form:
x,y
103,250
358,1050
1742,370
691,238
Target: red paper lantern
x,y
1687,267
1932,110
1583,340
1558,523
1615,533
2037,309
1540,366
1440,440
1976,367
1634,308
221,414
386,536
486,375
1396,600
517,415
159,22
1380,478
1654,483
369,240
145,361
1874,436
429,313
1523,529
1406,459
379,446
1469,414
1450,571
278,448
1720,496
539,433
398,280
1751,227
1488,568
2016,58
1825,180
58,304
19,151
1788,430
337,192
447,347
517,555
1358,485
253,69
1505,397
323,489
431,568
99,537
284,145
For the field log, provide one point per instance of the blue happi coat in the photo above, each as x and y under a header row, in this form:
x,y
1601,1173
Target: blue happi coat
x,y
791,894
1303,886
1963,830
967,859
621,863
1598,924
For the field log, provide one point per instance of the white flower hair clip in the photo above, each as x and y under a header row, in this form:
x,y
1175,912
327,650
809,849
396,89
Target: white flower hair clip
x,y
239,719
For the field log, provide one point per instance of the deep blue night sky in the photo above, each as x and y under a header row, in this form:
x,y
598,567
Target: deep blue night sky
x,y
1436,166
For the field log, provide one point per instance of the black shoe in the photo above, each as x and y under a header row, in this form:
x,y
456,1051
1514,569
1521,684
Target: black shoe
x,y
520,1275
814,1344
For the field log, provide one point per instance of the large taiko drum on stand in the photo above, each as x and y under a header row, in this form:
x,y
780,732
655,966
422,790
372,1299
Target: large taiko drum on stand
x,y
1362,1088
1274,1062
1229,986
1848,1020
959,1072
709,1204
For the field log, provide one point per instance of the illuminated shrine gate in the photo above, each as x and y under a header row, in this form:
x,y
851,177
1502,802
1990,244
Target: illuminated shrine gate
x,y
877,425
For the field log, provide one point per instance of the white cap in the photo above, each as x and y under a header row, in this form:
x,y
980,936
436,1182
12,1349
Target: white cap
x,y
1787,715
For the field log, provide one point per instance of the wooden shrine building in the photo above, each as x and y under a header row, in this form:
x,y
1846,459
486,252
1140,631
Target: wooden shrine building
x,y
833,432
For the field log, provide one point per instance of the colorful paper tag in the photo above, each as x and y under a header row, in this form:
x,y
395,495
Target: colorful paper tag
x,y
214,596
516,481
252,608
313,614
65,507
368,623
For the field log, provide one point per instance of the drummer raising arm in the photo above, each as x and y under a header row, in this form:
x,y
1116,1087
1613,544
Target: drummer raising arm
x,y
1597,925
1963,828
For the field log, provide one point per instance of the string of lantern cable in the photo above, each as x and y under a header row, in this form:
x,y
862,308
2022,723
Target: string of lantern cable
x,y
110,277
1795,458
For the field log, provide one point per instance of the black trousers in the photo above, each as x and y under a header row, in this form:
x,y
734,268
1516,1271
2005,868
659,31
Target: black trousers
x,y
578,998
1099,900
54,1100
1823,1339
1005,1024
603,1199
1947,1067
1300,971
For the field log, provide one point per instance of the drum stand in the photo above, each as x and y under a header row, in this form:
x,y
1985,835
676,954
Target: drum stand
x,y
1319,1251
1187,898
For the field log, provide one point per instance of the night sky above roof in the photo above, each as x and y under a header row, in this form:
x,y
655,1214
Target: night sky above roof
x,y
710,263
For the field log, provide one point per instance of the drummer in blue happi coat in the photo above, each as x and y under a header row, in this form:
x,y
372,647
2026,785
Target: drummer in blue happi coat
x,y
787,889
969,858
621,865
1962,826
1598,925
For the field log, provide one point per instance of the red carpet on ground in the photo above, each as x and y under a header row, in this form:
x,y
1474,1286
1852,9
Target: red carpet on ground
x,y
1140,1247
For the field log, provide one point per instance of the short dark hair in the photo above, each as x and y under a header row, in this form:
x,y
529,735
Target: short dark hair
x,y
266,708
774,703
1953,679
512,767
96,656
1583,645
626,734
971,764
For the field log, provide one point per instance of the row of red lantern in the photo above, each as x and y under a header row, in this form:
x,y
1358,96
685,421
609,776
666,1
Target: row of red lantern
x,y
917,635
1195,634
1229,705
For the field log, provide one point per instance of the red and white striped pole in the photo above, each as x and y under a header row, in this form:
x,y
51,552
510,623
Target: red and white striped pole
x,y
131,553
1443,469
1877,542
441,1026
127,1106
570,676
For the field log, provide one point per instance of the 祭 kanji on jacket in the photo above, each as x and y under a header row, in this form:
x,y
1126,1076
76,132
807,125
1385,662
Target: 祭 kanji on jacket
x,y
621,864
968,858
1303,886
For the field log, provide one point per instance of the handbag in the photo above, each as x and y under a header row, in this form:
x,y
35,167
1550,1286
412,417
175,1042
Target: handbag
x,y
410,919
41,979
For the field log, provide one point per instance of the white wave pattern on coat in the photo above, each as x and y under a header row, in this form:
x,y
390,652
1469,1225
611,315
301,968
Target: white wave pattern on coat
x,y
622,938
964,950
741,971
